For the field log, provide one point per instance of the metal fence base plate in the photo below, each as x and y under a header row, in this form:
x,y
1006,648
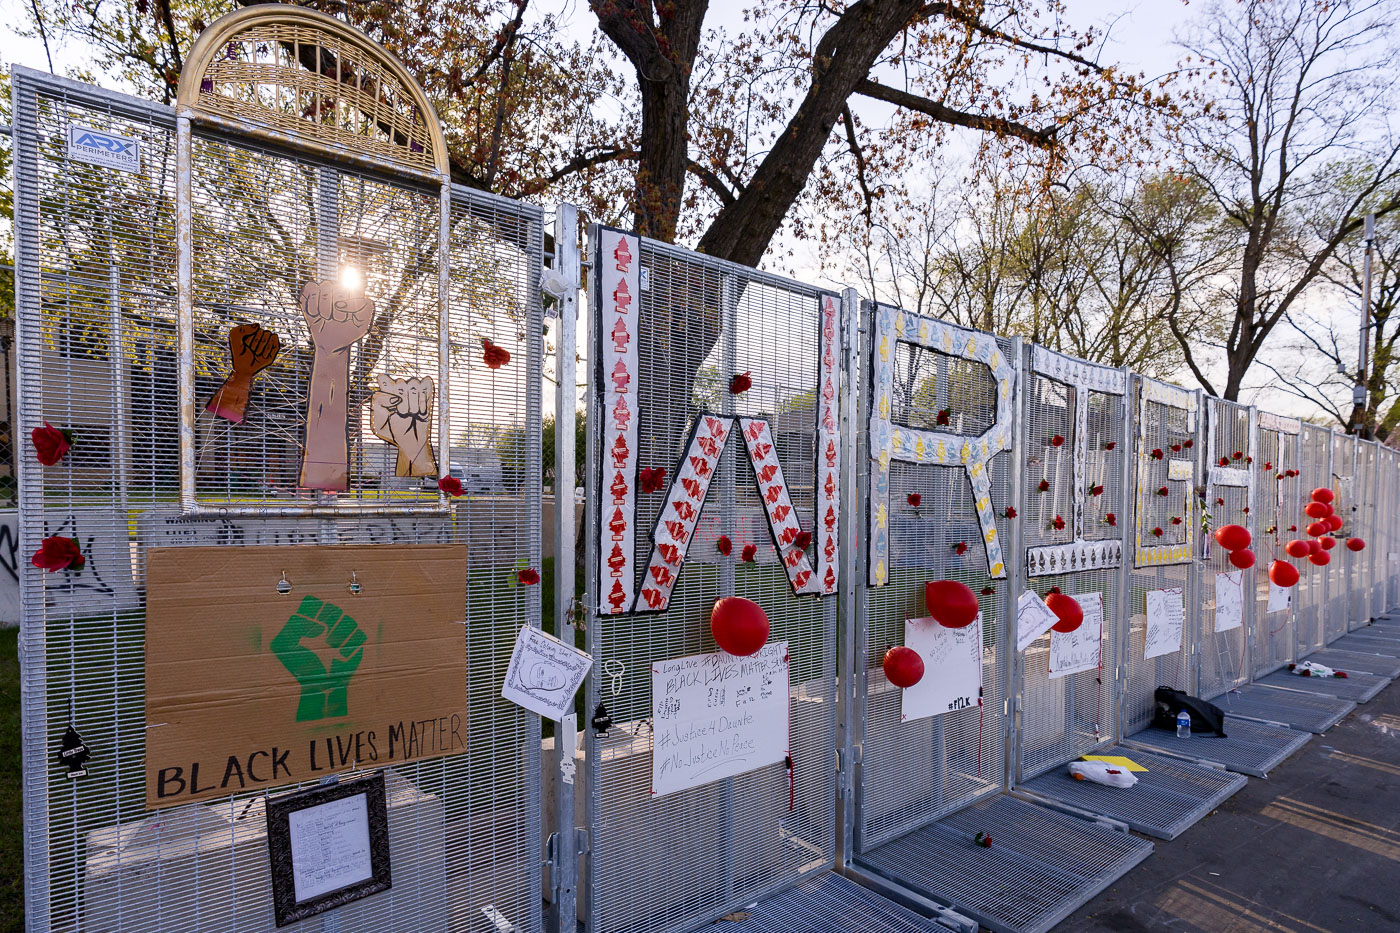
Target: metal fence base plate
x,y
1169,797
1041,866
833,904
1249,747
1342,660
1370,644
1357,686
1309,712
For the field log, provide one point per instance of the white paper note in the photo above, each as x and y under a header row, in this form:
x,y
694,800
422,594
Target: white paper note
x,y
1166,614
715,716
1279,597
1229,600
544,673
1033,619
330,846
1081,649
952,668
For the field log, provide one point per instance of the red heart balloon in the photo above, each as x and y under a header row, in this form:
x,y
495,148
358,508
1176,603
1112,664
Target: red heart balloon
x,y
1322,558
1327,542
1283,574
739,625
1243,558
1333,522
903,666
1067,608
1318,529
1355,544
1322,494
1297,548
1232,537
950,603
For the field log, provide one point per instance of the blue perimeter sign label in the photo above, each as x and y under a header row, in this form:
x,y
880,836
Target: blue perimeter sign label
x,y
99,147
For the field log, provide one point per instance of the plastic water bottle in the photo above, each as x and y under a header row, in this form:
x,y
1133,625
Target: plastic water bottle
x,y
1183,725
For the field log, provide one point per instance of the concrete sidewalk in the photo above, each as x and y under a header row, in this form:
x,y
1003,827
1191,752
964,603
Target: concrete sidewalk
x,y
1316,847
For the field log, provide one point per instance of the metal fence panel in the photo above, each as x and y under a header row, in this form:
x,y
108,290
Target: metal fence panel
x,y
1310,593
1223,656
1275,504
1074,497
938,379
98,337
1364,606
1342,481
1166,417
679,860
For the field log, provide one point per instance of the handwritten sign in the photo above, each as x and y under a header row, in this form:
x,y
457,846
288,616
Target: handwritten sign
x,y
1081,649
1229,601
715,716
952,668
330,847
1033,619
544,674
1166,615
1279,597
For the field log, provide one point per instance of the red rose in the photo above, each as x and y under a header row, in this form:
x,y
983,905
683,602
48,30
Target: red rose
x,y
1057,441
1111,518
740,383
1219,500
1156,453
983,840
960,547
1224,461
1010,512
1058,523
452,486
1044,485
1157,532
50,444
529,576
1248,459
749,553
724,545
1176,520
1268,464
944,416
988,590
1278,476
1176,448
1096,490
1110,445
914,499
492,355
803,540
652,478
1295,527
58,553
1245,510
1188,443
1163,491
1237,455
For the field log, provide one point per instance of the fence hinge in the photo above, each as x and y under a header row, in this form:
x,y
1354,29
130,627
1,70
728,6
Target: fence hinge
x,y
549,850
581,844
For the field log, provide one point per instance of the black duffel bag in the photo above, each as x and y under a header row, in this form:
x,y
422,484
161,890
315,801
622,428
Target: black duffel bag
x,y
1205,717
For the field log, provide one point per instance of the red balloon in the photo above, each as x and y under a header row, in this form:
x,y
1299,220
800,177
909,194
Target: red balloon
x,y
950,603
1232,537
903,666
1070,613
1318,529
1356,544
1317,509
1315,546
1283,573
1322,494
1243,558
1322,559
1327,542
1333,522
1297,548
739,625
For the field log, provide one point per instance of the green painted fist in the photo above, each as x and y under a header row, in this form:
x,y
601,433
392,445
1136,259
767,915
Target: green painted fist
x,y
322,688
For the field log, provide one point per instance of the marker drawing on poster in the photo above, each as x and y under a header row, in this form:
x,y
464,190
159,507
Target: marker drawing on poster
x,y
544,674
1081,649
1229,601
715,716
1279,597
952,668
1166,615
1033,619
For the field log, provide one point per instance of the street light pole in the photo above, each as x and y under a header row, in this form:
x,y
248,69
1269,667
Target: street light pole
x,y
1358,392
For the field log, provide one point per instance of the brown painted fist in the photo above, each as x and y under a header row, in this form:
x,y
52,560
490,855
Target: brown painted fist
x,y
252,350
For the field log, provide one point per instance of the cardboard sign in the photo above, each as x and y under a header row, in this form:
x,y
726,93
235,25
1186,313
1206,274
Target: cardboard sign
x,y
1081,649
1229,600
248,688
1166,617
717,716
952,678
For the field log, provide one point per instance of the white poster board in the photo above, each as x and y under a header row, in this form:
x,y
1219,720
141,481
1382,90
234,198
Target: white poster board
x,y
1166,613
330,846
1033,619
1081,649
1279,597
952,668
1229,601
716,716
544,674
